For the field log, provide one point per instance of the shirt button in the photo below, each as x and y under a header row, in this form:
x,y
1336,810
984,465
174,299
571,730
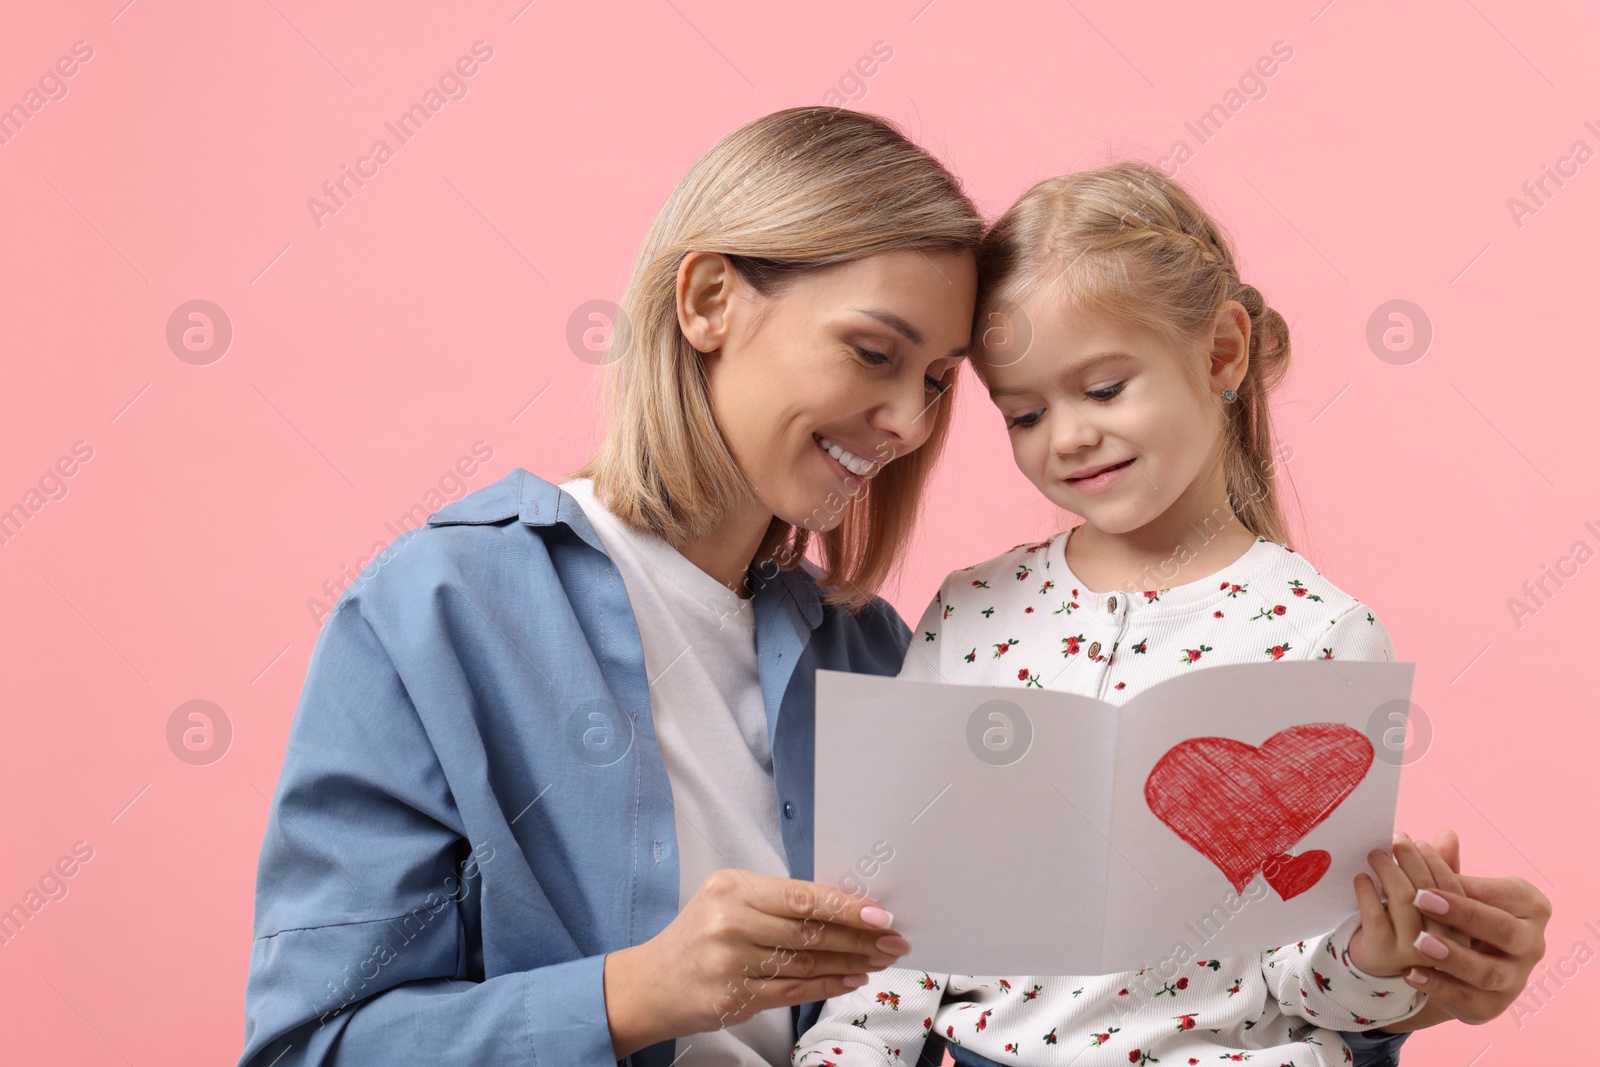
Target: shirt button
x,y
1094,650
1111,605
788,809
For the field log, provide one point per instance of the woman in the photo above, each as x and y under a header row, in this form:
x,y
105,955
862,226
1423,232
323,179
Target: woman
x,y
558,710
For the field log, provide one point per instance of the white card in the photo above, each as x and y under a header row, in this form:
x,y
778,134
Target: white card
x,y
1024,831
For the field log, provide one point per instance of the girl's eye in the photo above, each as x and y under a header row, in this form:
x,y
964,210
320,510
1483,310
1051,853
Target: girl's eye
x,y
934,384
1103,395
1025,420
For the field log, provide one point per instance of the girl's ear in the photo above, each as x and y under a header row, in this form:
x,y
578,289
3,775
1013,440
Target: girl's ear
x,y
705,283
1230,345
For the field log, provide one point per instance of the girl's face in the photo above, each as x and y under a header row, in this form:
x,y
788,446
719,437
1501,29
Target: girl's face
x,y
846,360
1104,419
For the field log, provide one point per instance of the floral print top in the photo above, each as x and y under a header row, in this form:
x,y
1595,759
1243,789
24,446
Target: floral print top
x,y
1024,619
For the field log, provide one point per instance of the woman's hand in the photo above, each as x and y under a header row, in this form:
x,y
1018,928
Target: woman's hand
x,y
743,943
1497,938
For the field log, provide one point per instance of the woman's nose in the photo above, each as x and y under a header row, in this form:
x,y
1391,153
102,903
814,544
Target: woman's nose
x,y
907,416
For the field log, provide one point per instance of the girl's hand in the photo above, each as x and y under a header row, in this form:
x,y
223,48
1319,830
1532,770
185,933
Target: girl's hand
x,y
743,943
1391,937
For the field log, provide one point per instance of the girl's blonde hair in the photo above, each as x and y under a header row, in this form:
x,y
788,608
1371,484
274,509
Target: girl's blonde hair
x,y
795,191
1128,241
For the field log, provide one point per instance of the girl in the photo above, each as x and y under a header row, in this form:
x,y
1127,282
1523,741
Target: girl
x,y
1132,367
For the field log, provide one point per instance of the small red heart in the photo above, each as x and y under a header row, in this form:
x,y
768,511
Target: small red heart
x,y
1293,875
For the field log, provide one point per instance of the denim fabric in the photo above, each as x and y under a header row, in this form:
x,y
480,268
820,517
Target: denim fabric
x,y
473,810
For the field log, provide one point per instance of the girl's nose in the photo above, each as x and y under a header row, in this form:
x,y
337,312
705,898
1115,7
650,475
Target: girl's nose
x,y
1071,428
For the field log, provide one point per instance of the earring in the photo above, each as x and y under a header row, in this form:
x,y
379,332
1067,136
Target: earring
x,y
1229,394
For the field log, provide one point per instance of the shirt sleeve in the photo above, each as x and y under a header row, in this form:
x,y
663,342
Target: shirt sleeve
x,y
1355,634
923,655
1315,981
882,1024
366,951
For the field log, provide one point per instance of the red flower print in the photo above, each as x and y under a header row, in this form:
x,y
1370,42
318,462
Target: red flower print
x,y
1327,653
1023,572
1301,591
1005,986
1279,609
1152,595
1191,655
1121,685
1033,993
1216,614
1022,674
1183,983
1002,647
979,584
891,999
1097,1040
983,1020
949,1031
1277,651
1047,586
1361,1021
1028,610
1050,1038
927,982
927,1024
1185,1022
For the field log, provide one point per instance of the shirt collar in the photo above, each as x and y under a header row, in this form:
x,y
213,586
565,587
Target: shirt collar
x,y
525,496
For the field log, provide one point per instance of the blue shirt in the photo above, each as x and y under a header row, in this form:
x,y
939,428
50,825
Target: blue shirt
x,y
473,811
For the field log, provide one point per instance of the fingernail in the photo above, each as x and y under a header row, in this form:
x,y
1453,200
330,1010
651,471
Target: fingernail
x,y
1400,835
1429,945
879,961
1417,975
854,980
893,944
1431,902
873,915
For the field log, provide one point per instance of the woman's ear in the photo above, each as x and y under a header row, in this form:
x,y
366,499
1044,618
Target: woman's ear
x,y
1230,345
705,284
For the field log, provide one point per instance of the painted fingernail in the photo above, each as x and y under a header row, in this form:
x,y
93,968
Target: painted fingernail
x,y
1429,945
854,980
893,944
1417,975
1430,901
873,915
879,961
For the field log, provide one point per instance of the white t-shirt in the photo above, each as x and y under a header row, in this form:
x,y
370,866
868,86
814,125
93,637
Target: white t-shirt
x,y
711,725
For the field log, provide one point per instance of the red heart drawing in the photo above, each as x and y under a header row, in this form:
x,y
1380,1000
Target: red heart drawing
x,y
1293,875
1242,807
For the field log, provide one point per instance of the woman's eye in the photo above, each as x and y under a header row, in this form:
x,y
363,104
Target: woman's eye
x,y
1102,395
1026,419
878,359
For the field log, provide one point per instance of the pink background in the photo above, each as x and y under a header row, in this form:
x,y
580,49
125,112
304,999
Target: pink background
x,y
427,314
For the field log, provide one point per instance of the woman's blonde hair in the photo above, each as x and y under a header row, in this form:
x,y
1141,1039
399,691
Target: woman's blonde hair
x,y
796,191
1128,241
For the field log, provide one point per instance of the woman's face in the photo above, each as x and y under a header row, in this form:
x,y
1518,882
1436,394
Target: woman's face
x,y
820,385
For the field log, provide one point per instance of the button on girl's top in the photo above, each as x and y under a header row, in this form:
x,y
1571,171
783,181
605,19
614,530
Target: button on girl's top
x,y
473,808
